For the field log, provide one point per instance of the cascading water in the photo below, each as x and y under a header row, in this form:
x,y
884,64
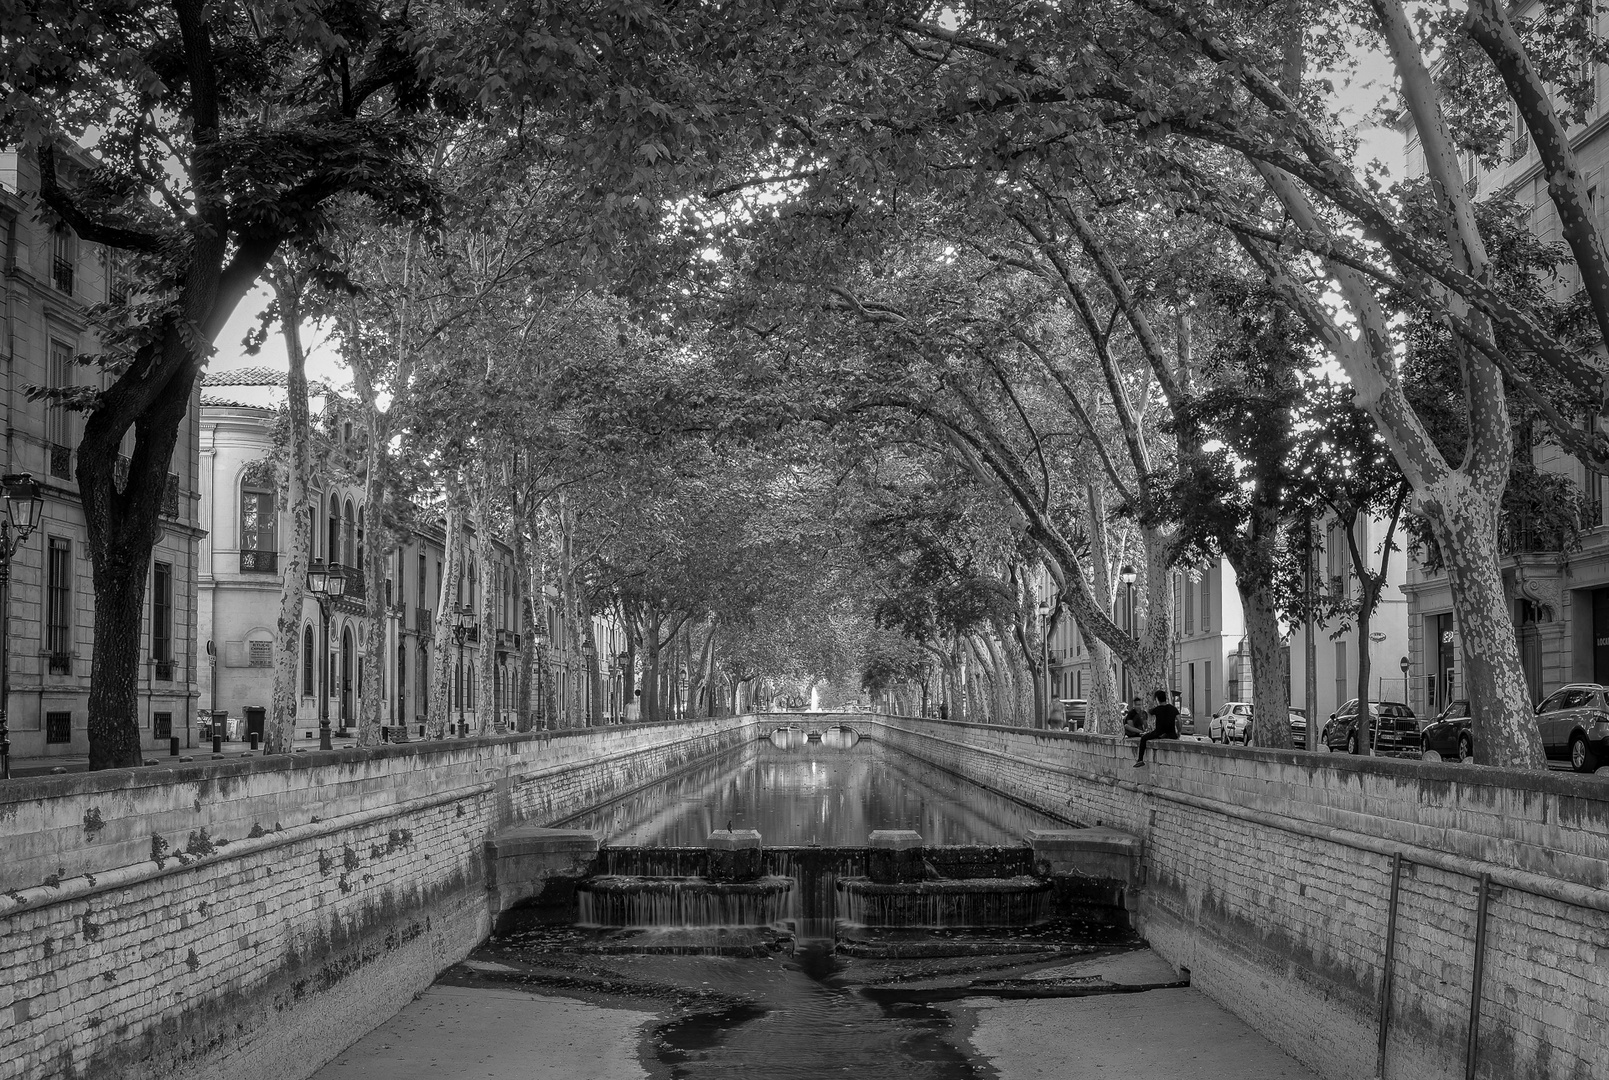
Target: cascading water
x,y
681,902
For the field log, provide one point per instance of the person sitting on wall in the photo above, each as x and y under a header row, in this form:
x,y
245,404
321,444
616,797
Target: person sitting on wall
x,y
1134,719
1056,718
1166,719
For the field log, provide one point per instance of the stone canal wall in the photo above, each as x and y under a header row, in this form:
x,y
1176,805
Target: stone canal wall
x,y
252,918
1269,876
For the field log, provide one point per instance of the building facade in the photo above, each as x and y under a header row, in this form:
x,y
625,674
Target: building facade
x,y
50,281
247,531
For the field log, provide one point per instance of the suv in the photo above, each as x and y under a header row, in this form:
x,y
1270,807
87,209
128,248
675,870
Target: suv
x,y
1395,728
1574,724
1231,723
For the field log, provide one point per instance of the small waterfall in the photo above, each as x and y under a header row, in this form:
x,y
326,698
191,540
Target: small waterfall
x,y
815,873
653,862
681,902
933,905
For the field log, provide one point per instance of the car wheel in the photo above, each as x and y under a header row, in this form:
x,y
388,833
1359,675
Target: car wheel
x,y
1583,758
1245,736
1353,746
1466,750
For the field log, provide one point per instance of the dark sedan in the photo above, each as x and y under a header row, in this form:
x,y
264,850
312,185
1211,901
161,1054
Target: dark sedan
x,y
1450,734
1395,729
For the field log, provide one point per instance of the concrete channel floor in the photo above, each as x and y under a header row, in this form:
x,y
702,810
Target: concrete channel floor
x,y
487,1033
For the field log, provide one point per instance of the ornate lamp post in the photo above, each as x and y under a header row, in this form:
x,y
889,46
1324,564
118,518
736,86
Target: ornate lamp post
x,y
327,584
463,623
25,505
1127,576
539,642
620,687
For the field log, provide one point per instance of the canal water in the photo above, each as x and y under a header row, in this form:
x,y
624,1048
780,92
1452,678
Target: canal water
x,y
797,792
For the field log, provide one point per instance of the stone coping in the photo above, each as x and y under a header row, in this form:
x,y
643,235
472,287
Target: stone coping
x,y
59,785
1571,785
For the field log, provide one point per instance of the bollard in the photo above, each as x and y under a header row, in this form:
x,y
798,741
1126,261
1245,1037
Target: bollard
x,y
173,746
217,744
254,742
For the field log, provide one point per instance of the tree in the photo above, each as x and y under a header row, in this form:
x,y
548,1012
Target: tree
x,y
224,132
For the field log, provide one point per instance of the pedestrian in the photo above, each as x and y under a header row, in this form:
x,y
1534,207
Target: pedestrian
x,y
1134,719
634,708
944,711
1057,717
1165,724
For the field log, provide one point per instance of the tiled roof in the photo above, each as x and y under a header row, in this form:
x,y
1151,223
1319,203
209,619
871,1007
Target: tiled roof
x,y
252,376
219,401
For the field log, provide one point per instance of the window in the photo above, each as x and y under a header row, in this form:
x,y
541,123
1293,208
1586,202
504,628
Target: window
x,y
332,553
307,661
162,725
1206,600
58,727
1206,684
64,258
350,550
58,421
402,684
162,616
59,605
1189,607
423,570
258,517
1340,671
260,653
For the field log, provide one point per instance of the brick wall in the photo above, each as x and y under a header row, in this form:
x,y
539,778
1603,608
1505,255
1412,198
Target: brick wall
x,y
290,905
1268,873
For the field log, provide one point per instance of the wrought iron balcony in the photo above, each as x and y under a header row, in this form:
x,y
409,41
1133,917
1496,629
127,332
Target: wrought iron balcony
x,y
259,562
1519,147
508,641
164,670
60,663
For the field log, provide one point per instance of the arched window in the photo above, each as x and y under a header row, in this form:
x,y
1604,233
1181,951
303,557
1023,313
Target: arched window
x,y
332,553
360,539
473,606
258,517
351,548
307,661
402,682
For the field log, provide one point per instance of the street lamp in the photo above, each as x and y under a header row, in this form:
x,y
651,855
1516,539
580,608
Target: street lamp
x,y
25,504
463,623
327,584
1126,575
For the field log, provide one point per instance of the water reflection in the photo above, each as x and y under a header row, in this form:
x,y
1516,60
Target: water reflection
x,y
812,793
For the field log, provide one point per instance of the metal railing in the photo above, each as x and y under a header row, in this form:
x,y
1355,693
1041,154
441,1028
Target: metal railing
x,y
164,670
258,562
59,663
61,461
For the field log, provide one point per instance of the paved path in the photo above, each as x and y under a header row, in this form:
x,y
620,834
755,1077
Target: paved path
x,y
495,1034
492,1033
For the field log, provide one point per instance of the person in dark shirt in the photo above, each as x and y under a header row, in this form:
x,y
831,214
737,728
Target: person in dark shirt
x,y
1134,719
1166,724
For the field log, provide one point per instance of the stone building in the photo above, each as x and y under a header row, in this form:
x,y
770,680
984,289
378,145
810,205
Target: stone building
x,y
240,589
51,279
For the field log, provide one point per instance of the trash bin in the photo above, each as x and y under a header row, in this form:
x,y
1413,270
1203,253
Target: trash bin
x,y
256,722
220,724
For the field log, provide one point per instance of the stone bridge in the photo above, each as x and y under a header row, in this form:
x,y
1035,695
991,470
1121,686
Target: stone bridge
x,y
255,917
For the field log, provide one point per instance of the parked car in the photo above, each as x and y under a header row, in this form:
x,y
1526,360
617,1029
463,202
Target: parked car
x,y
1077,710
1187,720
1574,724
1450,733
1231,723
1396,730
1298,722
